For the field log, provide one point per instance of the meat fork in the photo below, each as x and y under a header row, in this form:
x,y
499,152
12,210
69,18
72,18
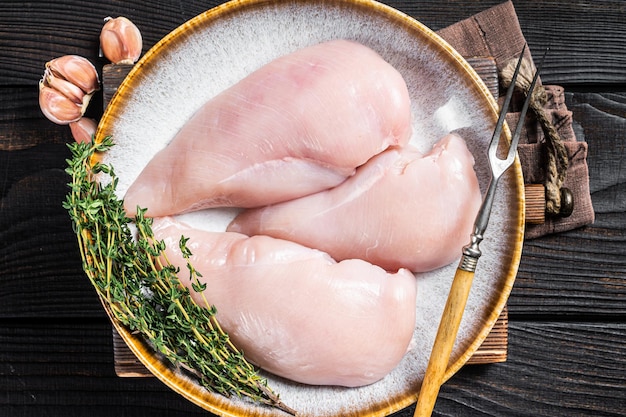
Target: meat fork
x,y
459,291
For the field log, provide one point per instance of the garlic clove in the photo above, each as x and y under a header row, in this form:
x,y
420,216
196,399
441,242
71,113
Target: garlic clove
x,y
76,70
63,86
66,88
57,107
120,41
83,129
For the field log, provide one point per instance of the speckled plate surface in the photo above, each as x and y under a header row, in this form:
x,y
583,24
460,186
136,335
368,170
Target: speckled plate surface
x,y
218,48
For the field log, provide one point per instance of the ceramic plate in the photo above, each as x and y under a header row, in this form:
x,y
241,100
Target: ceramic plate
x,y
221,46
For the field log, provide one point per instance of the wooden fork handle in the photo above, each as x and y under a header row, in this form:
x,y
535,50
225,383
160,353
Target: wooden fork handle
x,y
444,341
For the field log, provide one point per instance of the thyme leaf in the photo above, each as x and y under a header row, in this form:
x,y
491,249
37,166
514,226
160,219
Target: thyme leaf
x,y
141,288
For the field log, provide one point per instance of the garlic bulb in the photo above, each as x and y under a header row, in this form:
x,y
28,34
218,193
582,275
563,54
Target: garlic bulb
x,y
66,87
83,129
120,41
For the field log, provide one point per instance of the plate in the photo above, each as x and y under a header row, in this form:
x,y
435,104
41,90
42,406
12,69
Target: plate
x,y
221,46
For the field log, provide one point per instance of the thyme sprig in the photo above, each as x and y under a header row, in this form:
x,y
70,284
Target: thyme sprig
x,y
141,288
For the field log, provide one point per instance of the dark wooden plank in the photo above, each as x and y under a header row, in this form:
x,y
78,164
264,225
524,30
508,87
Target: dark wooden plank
x,y
582,272
47,368
34,228
23,125
554,369
34,231
574,273
33,34
601,120
586,39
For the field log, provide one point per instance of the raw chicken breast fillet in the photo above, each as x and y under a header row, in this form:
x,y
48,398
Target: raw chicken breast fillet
x,y
298,125
294,311
400,210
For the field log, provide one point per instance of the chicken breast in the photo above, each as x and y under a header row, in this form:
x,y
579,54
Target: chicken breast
x,y
401,210
298,125
296,312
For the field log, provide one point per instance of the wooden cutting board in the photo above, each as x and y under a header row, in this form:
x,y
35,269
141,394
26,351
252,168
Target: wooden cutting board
x,y
493,348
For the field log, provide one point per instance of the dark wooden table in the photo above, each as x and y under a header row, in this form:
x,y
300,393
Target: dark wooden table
x,y
567,311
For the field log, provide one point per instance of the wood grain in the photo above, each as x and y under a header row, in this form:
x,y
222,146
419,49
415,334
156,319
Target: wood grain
x,y
567,315
67,368
444,341
571,28
568,384
581,272
535,203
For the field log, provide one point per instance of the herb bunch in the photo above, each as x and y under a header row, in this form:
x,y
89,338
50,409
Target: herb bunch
x,y
141,288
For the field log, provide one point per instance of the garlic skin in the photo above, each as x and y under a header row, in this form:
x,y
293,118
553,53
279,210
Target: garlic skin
x,y
120,41
83,129
66,88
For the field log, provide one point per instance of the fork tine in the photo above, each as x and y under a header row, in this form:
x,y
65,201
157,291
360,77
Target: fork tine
x,y
520,123
505,105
